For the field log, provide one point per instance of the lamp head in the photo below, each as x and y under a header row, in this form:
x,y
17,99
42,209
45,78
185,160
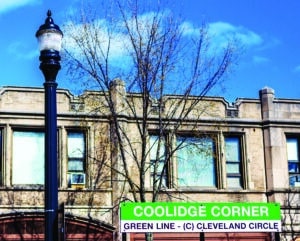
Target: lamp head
x,y
49,35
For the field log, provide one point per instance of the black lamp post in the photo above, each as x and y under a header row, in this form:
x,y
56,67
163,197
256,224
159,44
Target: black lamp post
x,y
50,37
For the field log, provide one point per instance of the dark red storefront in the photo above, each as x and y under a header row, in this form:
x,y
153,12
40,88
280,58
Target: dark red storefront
x,y
30,226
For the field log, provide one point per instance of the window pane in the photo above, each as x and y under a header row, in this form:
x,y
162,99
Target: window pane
x,y
75,165
233,167
232,149
154,144
293,167
75,145
234,182
295,180
195,161
28,158
157,157
233,162
292,149
293,161
76,155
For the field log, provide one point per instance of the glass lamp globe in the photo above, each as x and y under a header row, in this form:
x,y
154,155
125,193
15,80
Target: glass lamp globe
x,y
49,35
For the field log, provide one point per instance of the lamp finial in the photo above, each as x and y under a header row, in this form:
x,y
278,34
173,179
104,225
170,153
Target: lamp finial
x,y
49,13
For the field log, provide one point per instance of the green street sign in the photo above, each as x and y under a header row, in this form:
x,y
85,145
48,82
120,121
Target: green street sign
x,y
200,211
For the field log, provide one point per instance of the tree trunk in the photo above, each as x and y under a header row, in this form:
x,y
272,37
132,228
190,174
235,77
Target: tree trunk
x,y
148,236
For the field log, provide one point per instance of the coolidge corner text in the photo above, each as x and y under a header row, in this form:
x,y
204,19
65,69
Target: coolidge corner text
x,y
200,211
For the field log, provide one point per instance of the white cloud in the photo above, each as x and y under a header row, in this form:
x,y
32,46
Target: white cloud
x,y
260,59
7,5
97,37
101,35
221,32
188,29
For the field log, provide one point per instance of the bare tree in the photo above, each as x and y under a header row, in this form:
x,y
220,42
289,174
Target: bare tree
x,y
166,66
290,215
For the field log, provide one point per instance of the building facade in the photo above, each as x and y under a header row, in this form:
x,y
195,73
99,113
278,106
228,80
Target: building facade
x,y
251,155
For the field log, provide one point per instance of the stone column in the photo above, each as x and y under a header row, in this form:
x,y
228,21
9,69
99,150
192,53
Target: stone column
x,y
274,144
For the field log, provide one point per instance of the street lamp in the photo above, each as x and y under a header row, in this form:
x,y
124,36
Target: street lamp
x,y
49,38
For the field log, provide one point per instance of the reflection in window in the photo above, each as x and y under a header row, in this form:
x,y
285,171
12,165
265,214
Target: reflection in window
x,y
293,161
196,162
233,162
158,161
76,157
28,157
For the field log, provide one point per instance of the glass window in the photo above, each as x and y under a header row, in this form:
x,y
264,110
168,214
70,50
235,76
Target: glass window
x,y
28,157
293,161
1,164
158,160
196,162
76,151
76,157
233,162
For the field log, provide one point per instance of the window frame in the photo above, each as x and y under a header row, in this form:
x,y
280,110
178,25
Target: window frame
x,y
219,160
165,163
70,173
27,130
295,173
241,163
214,139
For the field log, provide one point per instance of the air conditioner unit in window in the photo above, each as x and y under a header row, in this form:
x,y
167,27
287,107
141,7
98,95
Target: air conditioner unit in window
x,y
77,178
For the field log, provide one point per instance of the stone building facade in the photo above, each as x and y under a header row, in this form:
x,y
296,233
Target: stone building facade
x,y
263,136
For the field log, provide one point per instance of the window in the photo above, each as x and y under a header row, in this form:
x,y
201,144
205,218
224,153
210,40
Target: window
x,y
293,161
233,159
76,158
196,161
159,166
28,157
1,163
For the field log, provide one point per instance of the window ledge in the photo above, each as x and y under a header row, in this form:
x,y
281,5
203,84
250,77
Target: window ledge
x,y
85,189
209,190
34,187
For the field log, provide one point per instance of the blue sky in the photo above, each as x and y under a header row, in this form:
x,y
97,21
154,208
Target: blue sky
x,y
269,30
